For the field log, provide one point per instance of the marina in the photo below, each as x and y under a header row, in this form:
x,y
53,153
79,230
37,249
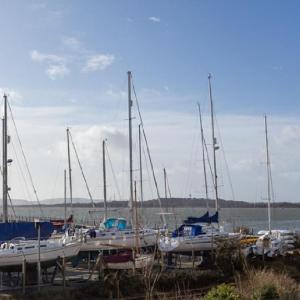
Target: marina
x,y
150,150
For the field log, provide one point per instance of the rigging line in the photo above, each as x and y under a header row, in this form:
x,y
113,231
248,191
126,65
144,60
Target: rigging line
x,y
81,169
148,173
113,172
168,186
25,160
149,155
192,155
57,173
21,172
226,163
8,194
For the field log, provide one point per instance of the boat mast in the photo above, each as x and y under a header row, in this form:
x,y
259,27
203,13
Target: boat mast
x,y
141,166
104,180
165,185
130,204
65,196
214,144
136,220
4,162
70,170
268,174
203,155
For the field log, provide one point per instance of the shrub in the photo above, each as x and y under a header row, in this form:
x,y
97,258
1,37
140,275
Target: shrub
x,y
267,292
261,283
222,292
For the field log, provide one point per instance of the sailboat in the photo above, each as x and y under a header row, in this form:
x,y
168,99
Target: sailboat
x,y
133,259
10,229
13,250
269,243
114,233
199,234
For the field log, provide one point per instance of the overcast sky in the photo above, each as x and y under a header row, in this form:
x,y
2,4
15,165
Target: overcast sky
x,y
64,63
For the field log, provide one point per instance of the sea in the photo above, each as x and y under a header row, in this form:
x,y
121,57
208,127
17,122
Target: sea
x,y
254,218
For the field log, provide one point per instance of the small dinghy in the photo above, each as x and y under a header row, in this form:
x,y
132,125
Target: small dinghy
x,y
126,261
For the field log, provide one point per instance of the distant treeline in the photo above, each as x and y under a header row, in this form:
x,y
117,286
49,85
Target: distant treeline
x,y
183,202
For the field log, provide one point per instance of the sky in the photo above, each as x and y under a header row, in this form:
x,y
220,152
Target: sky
x,y
64,64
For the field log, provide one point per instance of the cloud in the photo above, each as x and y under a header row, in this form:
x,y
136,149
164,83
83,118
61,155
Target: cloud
x,y
14,97
116,94
71,43
48,58
57,71
289,134
174,141
38,5
56,65
98,62
154,19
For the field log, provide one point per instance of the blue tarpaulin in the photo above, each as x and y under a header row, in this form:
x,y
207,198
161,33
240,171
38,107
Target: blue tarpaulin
x,y
8,231
206,218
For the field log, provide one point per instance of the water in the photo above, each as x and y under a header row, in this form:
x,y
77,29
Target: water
x,y
254,218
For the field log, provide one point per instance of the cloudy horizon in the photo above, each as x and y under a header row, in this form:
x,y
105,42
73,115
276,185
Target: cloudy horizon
x,y
62,66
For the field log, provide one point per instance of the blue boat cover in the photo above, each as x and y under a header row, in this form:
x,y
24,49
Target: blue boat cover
x,y
206,218
118,223
196,230
192,230
8,231
178,232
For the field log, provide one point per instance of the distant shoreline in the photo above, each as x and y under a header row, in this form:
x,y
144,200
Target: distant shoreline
x,y
171,202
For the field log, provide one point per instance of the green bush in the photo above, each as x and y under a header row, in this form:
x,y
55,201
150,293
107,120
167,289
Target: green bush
x,y
267,292
222,292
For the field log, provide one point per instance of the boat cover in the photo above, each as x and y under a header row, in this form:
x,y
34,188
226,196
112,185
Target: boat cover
x,y
8,231
206,218
191,230
118,223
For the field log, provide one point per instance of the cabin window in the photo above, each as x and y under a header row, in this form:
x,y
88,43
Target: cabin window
x,y
19,248
42,246
29,247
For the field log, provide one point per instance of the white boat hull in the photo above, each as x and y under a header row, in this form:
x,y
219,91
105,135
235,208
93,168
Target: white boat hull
x,y
47,255
120,241
191,243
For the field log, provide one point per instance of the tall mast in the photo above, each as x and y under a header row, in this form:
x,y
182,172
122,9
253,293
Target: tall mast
x,y
165,185
203,155
104,179
214,143
136,221
141,167
65,196
268,174
130,148
70,169
5,141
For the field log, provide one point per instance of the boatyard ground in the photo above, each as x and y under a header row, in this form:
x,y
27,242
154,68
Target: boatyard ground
x,y
229,277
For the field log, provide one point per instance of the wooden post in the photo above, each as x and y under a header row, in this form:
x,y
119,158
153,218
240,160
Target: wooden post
x,y
23,276
38,224
89,261
64,273
193,257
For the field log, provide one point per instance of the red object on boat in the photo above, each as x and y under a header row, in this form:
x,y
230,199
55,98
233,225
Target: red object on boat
x,y
59,223
118,258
